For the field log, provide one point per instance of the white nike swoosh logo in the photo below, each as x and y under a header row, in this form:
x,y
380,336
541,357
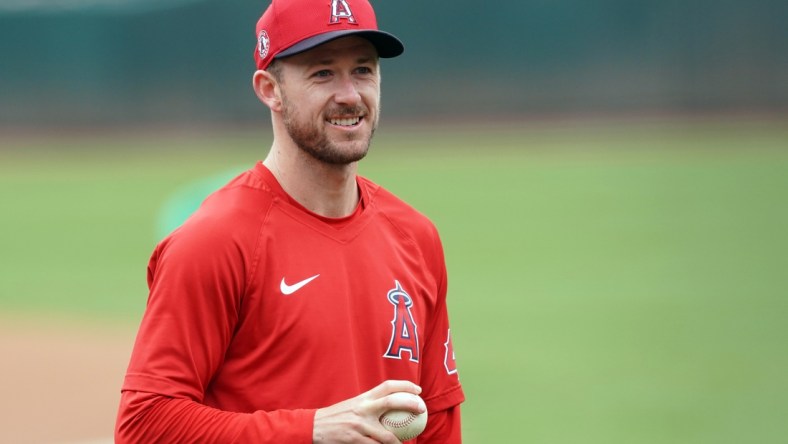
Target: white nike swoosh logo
x,y
290,289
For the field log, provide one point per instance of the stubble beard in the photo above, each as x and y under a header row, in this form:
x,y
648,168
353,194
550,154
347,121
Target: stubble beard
x,y
312,138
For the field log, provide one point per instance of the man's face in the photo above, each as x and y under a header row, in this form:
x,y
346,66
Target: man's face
x,y
331,99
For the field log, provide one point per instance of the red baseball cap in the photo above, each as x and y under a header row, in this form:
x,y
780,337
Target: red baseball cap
x,y
289,27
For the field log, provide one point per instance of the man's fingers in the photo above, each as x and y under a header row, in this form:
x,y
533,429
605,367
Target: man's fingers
x,y
358,419
395,401
393,386
381,435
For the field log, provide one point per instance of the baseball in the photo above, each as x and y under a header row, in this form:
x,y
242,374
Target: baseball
x,y
403,424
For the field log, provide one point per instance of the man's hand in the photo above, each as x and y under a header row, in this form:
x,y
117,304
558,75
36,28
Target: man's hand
x,y
357,420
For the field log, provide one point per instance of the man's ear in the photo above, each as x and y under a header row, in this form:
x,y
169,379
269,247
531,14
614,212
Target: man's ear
x,y
267,89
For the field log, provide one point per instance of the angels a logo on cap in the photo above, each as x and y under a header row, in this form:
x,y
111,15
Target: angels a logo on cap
x,y
263,43
341,10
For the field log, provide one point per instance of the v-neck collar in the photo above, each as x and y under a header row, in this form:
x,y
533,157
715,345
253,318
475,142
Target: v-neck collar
x,y
343,229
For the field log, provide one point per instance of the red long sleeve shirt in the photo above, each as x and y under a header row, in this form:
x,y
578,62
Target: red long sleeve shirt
x,y
261,312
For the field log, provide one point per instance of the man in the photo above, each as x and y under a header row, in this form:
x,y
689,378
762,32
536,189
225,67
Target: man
x,y
300,296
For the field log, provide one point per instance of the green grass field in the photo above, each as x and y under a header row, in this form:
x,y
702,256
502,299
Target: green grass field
x,y
608,283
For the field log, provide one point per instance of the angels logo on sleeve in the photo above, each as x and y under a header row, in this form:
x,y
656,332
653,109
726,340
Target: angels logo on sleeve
x,y
404,331
449,360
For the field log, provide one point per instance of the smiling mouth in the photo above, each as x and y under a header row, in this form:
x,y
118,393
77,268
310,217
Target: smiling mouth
x,y
346,122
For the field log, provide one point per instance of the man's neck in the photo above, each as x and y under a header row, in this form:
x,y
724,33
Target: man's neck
x,y
325,189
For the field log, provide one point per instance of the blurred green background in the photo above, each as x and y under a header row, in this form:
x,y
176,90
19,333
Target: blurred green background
x,y
607,284
610,181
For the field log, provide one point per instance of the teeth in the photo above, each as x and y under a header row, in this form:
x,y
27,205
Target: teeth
x,y
345,122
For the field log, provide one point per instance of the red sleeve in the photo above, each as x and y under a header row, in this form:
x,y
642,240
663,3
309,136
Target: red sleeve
x,y
440,378
196,281
443,427
147,417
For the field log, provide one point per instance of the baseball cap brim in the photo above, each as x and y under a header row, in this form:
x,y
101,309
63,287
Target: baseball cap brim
x,y
386,44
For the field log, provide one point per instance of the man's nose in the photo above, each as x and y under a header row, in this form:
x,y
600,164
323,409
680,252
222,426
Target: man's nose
x,y
347,92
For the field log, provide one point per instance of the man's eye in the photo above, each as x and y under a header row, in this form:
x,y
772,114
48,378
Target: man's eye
x,y
364,70
322,73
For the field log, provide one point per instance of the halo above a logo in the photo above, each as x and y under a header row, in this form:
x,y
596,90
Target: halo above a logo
x,y
263,43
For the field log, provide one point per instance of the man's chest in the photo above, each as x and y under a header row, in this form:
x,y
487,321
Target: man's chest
x,y
373,291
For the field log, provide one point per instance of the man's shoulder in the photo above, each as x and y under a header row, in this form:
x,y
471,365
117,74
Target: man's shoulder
x,y
236,208
244,195
398,211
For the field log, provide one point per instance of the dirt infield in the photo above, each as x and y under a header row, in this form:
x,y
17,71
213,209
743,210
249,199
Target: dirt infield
x,y
60,381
